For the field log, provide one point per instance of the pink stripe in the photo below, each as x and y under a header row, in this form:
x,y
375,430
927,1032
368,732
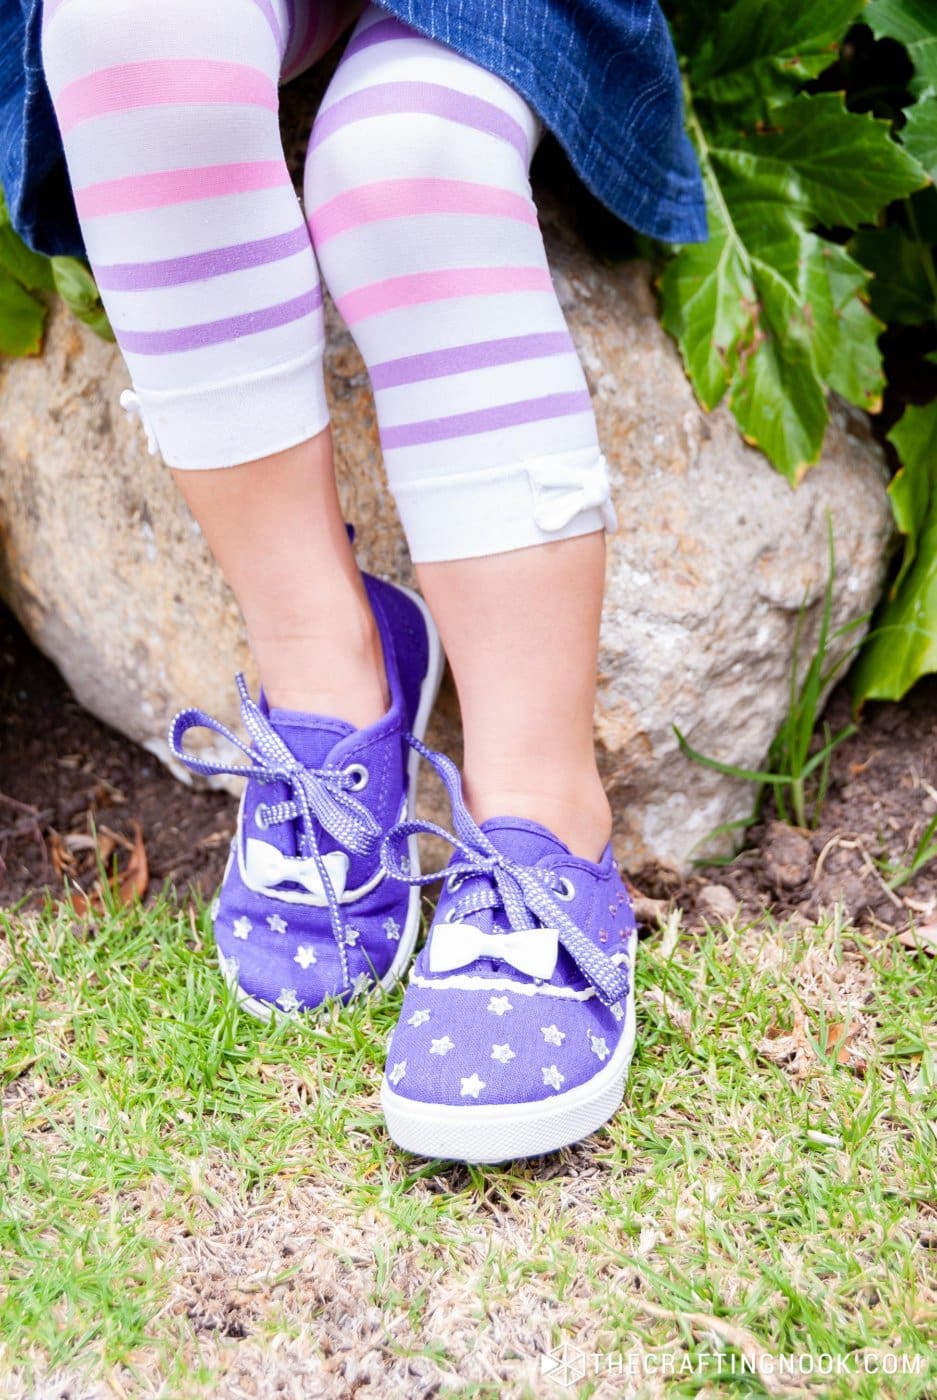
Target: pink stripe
x,y
164,187
399,199
163,82
453,282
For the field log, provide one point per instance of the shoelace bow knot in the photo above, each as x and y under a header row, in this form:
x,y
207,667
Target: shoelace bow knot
x,y
320,797
521,890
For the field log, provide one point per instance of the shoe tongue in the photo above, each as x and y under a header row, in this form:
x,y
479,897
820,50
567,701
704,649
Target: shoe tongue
x,y
310,738
525,841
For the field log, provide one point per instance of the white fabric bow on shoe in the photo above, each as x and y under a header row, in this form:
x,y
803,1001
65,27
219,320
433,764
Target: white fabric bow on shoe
x,y
530,950
265,868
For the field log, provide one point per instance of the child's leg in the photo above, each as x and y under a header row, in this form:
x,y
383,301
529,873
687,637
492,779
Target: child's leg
x,y
419,204
276,528
169,117
521,633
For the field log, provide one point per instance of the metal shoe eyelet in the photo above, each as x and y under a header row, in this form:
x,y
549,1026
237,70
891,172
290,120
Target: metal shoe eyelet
x,y
359,776
567,890
453,883
260,816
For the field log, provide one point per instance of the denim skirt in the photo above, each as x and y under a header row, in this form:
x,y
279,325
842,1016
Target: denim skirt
x,y
601,74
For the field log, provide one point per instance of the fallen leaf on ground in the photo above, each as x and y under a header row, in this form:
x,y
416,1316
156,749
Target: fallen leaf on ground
x,y
129,884
838,1036
63,860
923,937
791,1049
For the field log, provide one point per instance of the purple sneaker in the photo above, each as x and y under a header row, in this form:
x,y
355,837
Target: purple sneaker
x,y
306,911
518,1022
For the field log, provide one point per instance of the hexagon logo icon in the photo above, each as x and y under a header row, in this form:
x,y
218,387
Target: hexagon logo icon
x,y
565,1364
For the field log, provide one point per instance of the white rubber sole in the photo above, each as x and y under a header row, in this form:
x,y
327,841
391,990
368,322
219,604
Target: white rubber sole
x,y
435,665
482,1133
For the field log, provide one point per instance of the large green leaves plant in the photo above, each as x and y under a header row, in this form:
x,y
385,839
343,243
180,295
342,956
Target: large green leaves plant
x,y
22,274
25,276
772,312
903,645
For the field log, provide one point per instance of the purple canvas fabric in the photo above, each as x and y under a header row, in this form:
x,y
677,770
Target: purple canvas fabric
x,y
481,1030
305,910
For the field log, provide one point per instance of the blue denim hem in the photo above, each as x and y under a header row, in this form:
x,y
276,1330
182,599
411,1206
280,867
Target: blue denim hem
x,y
602,76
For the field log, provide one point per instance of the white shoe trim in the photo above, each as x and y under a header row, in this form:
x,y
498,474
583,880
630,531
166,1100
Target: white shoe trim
x,y
466,982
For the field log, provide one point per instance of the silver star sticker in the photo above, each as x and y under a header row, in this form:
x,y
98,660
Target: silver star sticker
x,y
552,1076
242,927
499,1005
351,936
442,1046
502,1053
392,929
553,1035
277,925
288,1000
305,955
398,1072
419,1018
473,1085
597,1042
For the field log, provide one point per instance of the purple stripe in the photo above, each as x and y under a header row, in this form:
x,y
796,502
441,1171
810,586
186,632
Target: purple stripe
x,y
270,16
290,28
197,267
485,420
426,99
410,369
379,33
217,332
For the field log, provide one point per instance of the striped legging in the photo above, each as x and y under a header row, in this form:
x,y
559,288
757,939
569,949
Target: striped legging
x,y
418,212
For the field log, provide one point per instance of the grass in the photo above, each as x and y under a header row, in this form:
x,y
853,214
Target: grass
x,y
195,1204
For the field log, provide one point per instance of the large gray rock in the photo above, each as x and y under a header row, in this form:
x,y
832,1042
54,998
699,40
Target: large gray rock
x,y
713,559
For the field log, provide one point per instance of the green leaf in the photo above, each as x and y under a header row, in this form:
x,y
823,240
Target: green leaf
x,y
915,439
838,167
759,51
768,310
778,397
912,23
31,269
22,317
903,645
846,339
901,288
919,133
76,286
708,304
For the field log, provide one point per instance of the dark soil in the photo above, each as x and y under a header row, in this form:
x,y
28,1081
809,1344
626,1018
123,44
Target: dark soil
x,y
74,793
882,794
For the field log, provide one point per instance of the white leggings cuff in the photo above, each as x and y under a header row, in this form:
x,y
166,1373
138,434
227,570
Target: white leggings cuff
x,y
227,424
472,514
